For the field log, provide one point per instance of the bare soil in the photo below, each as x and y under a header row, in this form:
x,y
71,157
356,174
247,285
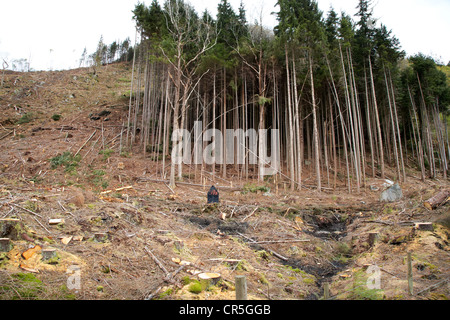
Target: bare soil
x,y
288,244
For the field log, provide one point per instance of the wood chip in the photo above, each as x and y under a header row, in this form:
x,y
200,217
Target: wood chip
x,y
176,260
66,240
31,252
53,222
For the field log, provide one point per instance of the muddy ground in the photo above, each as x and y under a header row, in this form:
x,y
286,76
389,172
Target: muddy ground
x,y
126,235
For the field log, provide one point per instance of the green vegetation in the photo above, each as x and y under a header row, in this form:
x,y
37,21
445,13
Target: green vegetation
x,y
67,160
97,178
106,153
195,287
26,118
22,286
253,188
360,290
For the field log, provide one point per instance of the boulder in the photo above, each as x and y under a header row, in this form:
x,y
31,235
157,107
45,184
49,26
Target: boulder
x,y
392,194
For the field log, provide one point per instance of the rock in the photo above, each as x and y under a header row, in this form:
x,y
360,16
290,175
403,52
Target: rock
x,y
392,194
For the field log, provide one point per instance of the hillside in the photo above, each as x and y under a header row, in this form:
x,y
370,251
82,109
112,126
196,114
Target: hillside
x,y
133,237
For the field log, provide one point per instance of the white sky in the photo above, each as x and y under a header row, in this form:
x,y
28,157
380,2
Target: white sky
x,y
52,34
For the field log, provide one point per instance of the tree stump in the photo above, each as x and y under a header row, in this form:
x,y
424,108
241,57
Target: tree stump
x,y
5,244
373,238
210,279
440,199
10,228
48,254
425,226
100,237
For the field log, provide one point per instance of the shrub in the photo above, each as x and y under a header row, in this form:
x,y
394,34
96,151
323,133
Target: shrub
x,y
67,160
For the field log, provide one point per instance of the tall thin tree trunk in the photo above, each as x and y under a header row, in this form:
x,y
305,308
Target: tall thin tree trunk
x,y
377,119
316,132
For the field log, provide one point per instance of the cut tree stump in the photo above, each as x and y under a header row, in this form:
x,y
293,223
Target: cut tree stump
x,y
5,244
211,279
100,237
438,200
373,238
424,226
10,228
48,254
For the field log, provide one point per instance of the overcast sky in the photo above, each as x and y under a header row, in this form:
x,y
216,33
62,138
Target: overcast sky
x,y
52,34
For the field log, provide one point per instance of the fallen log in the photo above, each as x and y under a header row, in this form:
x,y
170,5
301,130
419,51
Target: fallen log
x,y
438,200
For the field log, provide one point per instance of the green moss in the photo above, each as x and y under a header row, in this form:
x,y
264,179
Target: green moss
x,y
309,280
3,258
186,280
166,293
32,206
438,296
195,287
48,240
25,286
54,260
262,279
242,266
263,254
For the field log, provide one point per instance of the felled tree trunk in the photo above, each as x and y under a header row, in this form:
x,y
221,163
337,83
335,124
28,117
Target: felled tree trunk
x,y
438,200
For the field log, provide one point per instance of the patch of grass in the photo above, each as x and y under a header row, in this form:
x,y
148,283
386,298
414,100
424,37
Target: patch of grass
x,y
361,292
56,117
23,286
